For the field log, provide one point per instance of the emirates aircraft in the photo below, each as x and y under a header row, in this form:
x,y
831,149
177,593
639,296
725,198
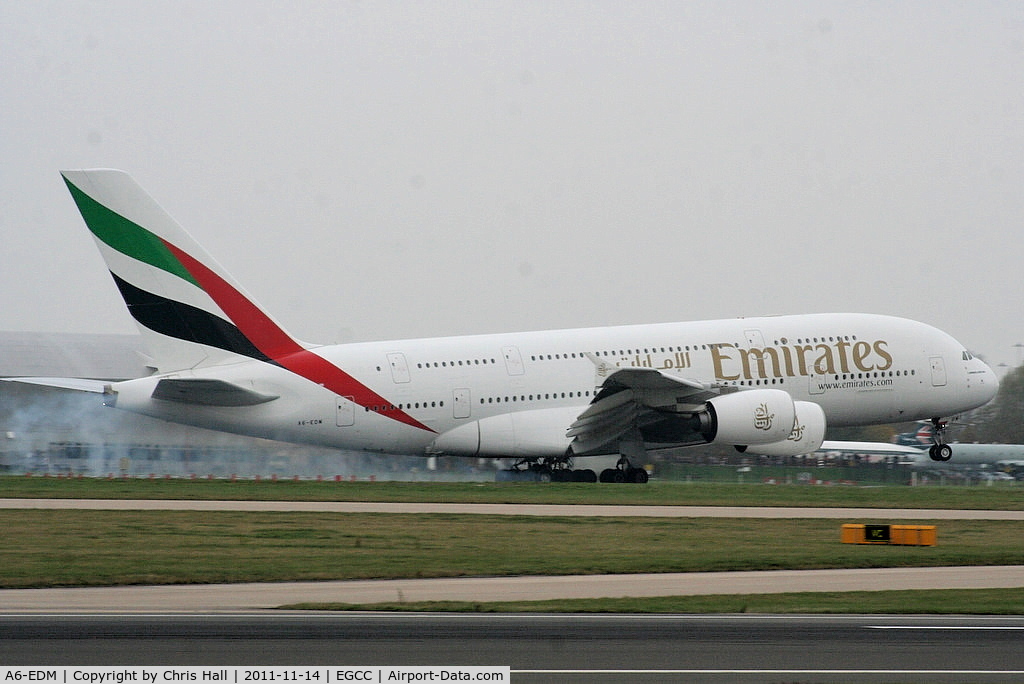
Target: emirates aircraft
x,y
765,385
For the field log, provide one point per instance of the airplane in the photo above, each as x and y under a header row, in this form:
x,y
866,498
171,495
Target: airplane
x,y
902,452
920,436
765,385
1009,457
908,447
911,448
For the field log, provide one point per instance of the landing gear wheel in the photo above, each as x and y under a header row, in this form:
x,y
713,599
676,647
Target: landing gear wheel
x,y
543,469
624,473
585,475
940,452
637,475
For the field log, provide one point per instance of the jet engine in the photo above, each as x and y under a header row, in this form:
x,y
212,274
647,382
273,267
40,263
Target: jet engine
x,y
744,418
805,438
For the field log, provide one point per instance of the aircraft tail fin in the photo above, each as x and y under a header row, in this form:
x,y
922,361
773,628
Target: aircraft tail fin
x,y
190,311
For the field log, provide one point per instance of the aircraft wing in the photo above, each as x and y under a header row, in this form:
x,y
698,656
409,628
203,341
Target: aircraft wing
x,y
77,384
633,398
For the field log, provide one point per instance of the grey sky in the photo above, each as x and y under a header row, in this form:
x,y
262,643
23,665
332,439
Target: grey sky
x,y
382,170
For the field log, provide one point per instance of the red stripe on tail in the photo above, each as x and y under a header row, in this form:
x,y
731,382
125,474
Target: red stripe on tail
x,y
279,346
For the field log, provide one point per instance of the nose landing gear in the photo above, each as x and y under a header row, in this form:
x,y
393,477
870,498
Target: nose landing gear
x,y
939,450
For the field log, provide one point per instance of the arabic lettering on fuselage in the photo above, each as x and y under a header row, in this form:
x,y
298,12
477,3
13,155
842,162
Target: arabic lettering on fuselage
x,y
677,361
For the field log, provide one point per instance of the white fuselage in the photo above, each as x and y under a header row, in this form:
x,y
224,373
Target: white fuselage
x,y
973,455
861,369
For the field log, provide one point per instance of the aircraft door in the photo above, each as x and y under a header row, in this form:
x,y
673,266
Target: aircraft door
x,y
399,367
938,367
815,382
460,403
513,360
346,412
755,340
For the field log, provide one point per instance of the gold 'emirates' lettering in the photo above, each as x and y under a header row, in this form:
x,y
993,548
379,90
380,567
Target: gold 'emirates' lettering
x,y
733,363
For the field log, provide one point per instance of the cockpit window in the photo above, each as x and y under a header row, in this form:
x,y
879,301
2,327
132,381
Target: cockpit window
x,y
967,356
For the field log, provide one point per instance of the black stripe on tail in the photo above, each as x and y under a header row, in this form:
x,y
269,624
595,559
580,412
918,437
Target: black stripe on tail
x,y
184,322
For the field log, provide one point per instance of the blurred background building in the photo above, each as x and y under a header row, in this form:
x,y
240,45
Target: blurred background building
x,y
44,430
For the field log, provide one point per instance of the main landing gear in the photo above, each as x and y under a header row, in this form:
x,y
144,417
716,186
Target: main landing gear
x,y
632,445
545,470
624,471
939,450
561,470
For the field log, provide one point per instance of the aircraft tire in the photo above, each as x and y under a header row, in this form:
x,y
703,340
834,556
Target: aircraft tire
x,y
637,475
940,452
585,475
562,475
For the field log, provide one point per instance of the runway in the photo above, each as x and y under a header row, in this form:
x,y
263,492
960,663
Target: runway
x,y
234,624
545,648
583,510
233,597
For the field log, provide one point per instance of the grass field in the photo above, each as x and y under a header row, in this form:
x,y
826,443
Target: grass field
x,y
77,548
1007,497
42,548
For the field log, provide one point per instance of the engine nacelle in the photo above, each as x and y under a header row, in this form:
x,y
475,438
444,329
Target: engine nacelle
x,y
806,437
526,434
748,417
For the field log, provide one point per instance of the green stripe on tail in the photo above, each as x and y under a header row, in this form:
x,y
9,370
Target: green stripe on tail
x,y
126,237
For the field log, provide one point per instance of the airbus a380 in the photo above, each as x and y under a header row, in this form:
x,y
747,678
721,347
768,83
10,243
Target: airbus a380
x,y
765,385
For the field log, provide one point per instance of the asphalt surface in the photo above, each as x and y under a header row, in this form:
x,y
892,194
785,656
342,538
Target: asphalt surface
x,y
516,509
233,625
545,648
232,597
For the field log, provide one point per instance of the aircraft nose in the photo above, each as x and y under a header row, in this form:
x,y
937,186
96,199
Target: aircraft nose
x,y
986,384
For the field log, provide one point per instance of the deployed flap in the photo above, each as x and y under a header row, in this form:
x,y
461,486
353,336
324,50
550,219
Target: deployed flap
x,y
208,392
631,397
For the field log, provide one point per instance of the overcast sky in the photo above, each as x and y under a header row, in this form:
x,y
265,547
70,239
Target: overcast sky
x,y
397,169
